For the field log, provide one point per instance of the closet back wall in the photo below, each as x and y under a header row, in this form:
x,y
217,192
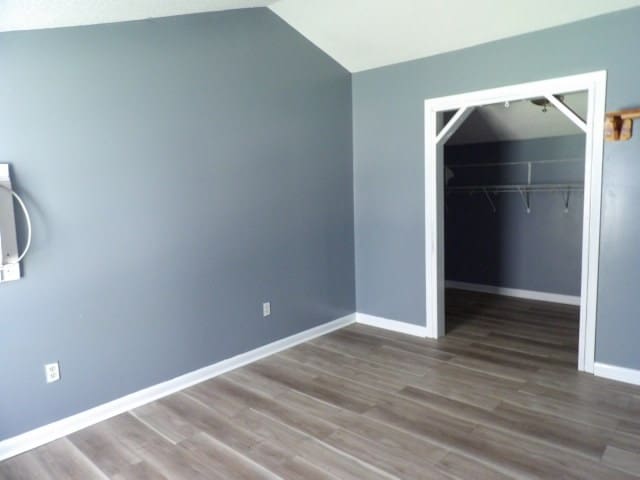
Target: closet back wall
x,y
511,248
180,172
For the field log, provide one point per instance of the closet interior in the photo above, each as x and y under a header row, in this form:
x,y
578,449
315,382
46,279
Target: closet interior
x,y
514,182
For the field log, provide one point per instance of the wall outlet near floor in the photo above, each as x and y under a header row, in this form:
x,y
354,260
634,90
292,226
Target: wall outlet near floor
x,y
266,309
52,372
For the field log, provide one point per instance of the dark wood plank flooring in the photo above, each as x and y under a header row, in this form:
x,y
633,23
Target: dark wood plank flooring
x,y
499,397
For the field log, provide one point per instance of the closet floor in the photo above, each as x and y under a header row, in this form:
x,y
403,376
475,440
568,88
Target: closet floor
x,y
498,397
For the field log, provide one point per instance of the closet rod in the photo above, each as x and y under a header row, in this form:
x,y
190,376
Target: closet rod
x,y
523,190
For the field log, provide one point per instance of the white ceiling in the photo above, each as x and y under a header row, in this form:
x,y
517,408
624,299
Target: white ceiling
x,y
359,34
364,34
36,14
521,121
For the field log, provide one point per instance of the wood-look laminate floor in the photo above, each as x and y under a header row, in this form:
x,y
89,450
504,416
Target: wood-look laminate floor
x,y
498,397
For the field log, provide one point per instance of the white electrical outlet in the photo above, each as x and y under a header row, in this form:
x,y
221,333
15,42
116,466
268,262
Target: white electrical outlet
x,y
266,309
52,372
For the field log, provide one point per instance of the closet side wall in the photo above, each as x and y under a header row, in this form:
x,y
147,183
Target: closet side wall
x,y
540,250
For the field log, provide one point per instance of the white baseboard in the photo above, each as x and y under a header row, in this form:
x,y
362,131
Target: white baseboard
x,y
394,325
515,292
622,374
39,436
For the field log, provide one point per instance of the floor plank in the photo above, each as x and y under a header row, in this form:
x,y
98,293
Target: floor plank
x,y
622,459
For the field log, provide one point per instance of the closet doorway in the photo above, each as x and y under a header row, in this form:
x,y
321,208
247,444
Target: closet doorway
x,y
444,117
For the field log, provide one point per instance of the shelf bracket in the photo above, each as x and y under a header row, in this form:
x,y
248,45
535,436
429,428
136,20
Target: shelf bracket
x,y
486,194
525,199
565,197
619,125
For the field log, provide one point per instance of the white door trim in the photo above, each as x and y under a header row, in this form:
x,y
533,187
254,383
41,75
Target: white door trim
x,y
595,85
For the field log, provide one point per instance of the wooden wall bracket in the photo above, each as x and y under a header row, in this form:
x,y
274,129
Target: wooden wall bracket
x,y
618,125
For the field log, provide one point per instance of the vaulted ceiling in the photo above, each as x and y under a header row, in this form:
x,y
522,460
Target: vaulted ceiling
x,y
36,14
364,34
359,34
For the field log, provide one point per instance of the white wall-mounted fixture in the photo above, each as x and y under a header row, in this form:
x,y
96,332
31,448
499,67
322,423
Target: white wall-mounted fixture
x,y
10,257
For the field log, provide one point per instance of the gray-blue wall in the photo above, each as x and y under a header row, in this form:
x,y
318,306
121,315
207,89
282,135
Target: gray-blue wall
x,y
540,250
389,167
180,172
